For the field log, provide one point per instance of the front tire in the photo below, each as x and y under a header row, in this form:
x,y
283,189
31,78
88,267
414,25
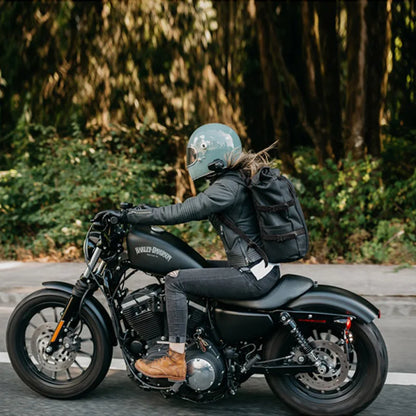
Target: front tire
x,y
356,379
81,361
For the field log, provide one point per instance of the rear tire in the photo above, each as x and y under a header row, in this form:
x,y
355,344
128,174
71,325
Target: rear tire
x,y
69,372
358,376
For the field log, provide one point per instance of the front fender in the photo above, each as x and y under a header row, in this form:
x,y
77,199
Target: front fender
x,y
331,299
96,307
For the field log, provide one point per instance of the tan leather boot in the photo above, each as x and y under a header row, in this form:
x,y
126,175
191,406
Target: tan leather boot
x,y
171,366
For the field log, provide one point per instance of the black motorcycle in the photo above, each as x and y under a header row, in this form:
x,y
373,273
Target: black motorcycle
x,y
317,345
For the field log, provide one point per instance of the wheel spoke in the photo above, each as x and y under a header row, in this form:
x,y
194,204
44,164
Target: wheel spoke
x,y
68,374
42,316
78,364
84,353
32,325
328,335
55,315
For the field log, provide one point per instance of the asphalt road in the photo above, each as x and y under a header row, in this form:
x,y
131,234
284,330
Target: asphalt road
x,y
118,395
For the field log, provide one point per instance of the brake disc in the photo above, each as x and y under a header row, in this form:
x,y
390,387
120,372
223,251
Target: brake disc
x,y
336,361
60,360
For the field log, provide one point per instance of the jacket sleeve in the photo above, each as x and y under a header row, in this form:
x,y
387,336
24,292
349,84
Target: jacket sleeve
x,y
219,196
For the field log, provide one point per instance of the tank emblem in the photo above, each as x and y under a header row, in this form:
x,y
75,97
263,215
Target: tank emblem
x,y
153,251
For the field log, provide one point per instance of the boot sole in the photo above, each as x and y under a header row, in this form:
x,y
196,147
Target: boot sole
x,y
176,378
170,378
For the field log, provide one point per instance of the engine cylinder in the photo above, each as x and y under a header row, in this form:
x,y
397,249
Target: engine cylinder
x,y
142,310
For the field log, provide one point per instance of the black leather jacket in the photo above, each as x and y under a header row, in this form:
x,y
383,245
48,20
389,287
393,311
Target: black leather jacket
x,y
227,195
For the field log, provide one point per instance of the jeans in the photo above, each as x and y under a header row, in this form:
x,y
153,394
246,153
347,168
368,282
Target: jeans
x,y
217,283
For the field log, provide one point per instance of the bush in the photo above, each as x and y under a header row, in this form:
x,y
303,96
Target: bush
x,y
352,216
354,213
48,198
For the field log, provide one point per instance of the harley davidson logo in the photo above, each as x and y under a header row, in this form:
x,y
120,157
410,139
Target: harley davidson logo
x,y
153,251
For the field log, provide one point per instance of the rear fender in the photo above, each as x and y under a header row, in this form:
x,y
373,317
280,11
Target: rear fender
x,y
93,304
331,299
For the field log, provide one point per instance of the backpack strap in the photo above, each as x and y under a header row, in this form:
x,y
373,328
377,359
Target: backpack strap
x,y
284,237
276,208
230,224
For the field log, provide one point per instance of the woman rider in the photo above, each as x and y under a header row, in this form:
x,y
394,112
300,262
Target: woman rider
x,y
213,152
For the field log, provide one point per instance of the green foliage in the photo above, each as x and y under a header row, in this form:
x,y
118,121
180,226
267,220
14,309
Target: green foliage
x,y
351,214
56,186
399,154
70,71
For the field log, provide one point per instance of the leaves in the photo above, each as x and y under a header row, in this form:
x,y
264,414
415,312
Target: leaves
x,y
55,198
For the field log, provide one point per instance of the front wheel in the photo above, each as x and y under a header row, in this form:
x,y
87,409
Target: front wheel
x,y
355,374
76,367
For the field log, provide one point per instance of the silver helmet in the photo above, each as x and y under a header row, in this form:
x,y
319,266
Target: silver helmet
x,y
211,147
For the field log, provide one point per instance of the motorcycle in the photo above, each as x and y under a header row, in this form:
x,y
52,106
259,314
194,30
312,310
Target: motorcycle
x,y
317,345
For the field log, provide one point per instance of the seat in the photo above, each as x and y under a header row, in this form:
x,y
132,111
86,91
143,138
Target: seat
x,y
288,287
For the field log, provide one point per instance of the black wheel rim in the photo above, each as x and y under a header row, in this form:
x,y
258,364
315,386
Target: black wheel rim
x,y
75,356
333,389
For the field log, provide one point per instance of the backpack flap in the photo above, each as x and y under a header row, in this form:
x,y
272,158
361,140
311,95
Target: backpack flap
x,y
281,221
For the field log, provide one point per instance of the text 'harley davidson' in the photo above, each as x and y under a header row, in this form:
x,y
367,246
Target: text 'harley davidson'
x,y
317,345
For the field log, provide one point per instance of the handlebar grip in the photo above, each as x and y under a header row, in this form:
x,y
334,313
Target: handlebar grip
x,y
126,205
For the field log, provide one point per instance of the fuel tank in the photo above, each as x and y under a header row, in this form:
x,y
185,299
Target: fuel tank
x,y
154,250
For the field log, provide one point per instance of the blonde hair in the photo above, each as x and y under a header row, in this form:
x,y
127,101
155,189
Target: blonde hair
x,y
249,162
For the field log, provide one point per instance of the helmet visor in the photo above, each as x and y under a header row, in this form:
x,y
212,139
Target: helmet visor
x,y
190,156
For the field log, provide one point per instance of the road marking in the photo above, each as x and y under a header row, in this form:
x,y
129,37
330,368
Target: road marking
x,y
10,265
400,379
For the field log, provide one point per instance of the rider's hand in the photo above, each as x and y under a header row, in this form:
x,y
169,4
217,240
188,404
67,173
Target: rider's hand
x,y
111,216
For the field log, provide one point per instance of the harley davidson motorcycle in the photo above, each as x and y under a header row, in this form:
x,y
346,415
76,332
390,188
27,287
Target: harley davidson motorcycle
x,y
317,345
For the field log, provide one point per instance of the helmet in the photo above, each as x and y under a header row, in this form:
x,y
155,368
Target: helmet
x,y
211,148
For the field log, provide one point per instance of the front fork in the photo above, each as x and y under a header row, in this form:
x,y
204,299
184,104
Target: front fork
x,y
70,316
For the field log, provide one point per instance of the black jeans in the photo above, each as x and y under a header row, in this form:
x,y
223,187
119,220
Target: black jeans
x,y
217,283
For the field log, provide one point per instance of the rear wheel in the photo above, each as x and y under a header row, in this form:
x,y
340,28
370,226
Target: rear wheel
x,y
76,367
353,376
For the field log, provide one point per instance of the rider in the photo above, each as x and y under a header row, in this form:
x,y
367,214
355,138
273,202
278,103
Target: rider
x,y
213,152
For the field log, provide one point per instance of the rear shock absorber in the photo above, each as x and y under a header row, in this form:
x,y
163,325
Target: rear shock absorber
x,y
287,320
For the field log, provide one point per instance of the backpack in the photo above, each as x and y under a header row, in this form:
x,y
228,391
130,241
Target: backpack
x,y
281,222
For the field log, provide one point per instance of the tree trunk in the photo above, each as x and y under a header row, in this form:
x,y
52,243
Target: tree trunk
x,y
378,17
328,36
355,89
269,47
314,95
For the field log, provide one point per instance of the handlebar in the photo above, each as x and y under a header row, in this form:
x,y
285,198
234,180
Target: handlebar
x,y
126,205
100,222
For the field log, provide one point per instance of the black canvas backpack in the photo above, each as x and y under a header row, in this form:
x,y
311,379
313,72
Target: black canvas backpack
x,y
282,225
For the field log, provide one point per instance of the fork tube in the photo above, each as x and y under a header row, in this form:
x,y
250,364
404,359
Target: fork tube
x,y
70,314
92,263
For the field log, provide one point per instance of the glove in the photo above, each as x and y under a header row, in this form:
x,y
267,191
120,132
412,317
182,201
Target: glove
x,y
111,216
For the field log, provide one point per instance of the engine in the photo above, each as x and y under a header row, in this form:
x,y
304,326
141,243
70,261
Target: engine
x,y
205,368
144,310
